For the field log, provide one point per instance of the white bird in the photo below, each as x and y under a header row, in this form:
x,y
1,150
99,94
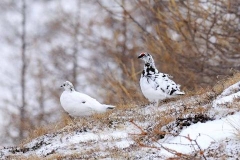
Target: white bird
x,y
78,104
155,85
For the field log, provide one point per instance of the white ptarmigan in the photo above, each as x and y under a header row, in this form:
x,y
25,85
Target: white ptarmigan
x,y
78,104
155,85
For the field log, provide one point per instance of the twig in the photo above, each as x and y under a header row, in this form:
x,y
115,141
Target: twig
x,y
142,131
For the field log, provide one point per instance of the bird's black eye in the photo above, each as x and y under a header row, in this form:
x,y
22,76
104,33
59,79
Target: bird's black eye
x,y
64,85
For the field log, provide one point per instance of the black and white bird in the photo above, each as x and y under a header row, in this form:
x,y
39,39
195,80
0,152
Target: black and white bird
x,y
78,104
155,85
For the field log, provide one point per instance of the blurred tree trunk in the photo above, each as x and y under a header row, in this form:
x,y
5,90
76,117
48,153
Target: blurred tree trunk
x,y
40,94
23,70
75,46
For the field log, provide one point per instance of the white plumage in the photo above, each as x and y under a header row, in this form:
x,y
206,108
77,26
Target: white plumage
x,y
78,104
156,86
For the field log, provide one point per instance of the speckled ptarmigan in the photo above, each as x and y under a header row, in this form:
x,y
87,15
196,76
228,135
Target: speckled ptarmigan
x,y
156,86
78,104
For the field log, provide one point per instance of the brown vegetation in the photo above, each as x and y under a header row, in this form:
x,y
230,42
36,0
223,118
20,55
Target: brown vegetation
x,y
196,42
147,126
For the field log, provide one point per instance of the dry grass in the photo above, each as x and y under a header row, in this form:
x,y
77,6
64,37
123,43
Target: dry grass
x,y
19,157
236,127
55,156
223,84
68,124
50,128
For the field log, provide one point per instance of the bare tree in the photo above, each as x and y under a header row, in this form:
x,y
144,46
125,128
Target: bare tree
x,y
23,71
191,40
75,35
117,64
199,39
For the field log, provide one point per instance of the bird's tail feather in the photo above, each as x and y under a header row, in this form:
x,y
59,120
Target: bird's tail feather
x,y
109,106
179,93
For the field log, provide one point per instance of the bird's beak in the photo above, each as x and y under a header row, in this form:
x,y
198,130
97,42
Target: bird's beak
x,y
61,86
141,56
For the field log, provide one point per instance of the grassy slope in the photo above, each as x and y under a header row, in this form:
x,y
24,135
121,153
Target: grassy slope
x,y
130,131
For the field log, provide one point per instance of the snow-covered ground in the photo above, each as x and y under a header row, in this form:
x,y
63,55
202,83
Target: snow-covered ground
x,y
202,126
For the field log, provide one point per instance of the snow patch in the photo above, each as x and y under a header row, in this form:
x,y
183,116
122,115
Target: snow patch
x,y
204,134
228,95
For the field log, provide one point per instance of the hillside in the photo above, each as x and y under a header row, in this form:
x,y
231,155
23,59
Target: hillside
x,y
202,125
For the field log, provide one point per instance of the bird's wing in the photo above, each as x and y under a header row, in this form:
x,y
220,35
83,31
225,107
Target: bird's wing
x,y
163,83
76,104
88,99
93,104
